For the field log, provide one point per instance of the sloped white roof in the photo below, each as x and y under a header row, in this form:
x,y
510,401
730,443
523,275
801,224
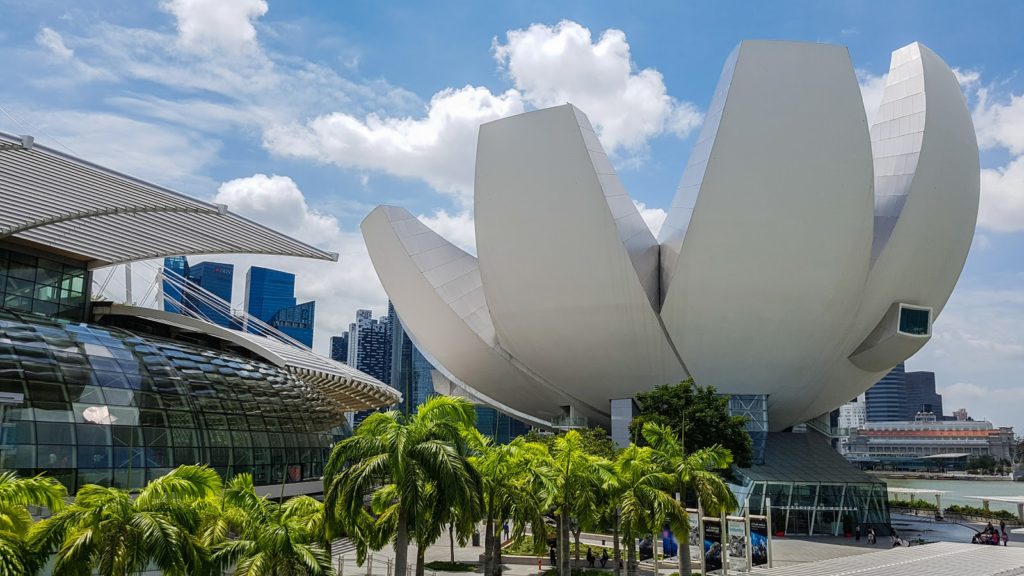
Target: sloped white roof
x,y
104,217
350,388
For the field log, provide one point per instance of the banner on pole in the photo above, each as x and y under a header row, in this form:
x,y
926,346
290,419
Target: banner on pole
x,y
712,544
759,540
736,531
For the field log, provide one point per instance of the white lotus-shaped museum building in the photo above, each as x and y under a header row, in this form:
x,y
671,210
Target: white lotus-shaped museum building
x,y
805,254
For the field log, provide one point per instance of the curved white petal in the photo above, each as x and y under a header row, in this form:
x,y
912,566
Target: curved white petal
x,y
569,266
776,252
436,290
927,186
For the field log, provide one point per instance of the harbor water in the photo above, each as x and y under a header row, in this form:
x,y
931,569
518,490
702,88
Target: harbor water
x,y
959,490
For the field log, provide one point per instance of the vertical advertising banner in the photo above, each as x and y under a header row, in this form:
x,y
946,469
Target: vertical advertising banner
x,y
758,540
737,543
694,536
712,544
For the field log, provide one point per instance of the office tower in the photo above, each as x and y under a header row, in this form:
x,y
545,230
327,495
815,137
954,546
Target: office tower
x,y
270,297
921,395
181,297
499,426
887,400
339,348
411,372
175,277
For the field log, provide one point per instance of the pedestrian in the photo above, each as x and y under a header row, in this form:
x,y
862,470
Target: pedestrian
x,y
505,530
590,557
894,539
1006,537
872,538
604,557
857,532
554,556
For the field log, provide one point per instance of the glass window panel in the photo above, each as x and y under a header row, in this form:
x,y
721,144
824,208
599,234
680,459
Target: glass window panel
x,y
147,400
124,454
152,418
186,455
98,477
218,437
55,456
55,432
93,434
20,432
90,394
110,379
158,456
184,437
157,436
52,412
137,480
237,422
126,435
178,418
94,456
119,397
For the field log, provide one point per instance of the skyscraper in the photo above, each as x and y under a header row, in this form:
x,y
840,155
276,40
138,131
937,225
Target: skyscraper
x,y
887,400
339,348
270,297
921,395
369,349
411,372
212,277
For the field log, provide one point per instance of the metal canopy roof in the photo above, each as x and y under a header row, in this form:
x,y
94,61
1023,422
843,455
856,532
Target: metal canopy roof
x,y
350,388
104,217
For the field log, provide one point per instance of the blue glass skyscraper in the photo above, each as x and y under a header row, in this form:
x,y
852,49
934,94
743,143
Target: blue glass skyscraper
x,y
887,400
270,297
175,275
181,296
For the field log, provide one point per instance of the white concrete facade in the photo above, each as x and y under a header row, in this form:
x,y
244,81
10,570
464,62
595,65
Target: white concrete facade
x,y
803,257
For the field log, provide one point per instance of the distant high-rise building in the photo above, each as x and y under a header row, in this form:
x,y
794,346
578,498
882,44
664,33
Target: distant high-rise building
x,y
960,414
887,400
175,278
339,348
270,297
369,350
212,277
411,372
921,395
502,427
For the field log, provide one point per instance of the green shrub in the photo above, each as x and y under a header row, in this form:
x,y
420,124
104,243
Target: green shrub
x,y
917,504
978,511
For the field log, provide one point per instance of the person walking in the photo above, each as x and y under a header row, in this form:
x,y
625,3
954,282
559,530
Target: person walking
x,y
871,535
1006,537
857,532
590,557
604,557
553,554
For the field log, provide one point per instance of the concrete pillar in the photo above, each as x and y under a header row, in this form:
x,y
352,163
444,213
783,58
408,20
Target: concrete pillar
x,y
938,504
623,410
984,504
1020,512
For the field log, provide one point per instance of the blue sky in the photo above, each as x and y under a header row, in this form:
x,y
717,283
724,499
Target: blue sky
x,y
305,115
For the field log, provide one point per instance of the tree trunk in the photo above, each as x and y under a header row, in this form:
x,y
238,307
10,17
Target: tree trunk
x,y
402,543
564,566
576,537
488,545
421,552
496,553
631,556
683,554
616,552
451,540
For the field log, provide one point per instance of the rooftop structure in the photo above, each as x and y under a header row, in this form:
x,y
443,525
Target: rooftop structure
x,y
888,441
114,394
806,253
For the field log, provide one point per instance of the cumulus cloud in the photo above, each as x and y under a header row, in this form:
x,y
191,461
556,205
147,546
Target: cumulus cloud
x,y
437,148
277,199
552,65
654,217
216,25
548,66
1000,124
458,228
871,89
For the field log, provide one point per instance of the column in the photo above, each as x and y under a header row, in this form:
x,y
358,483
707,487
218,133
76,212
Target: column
x,y
623,410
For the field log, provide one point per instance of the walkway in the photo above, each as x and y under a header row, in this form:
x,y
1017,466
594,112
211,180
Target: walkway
x,y
940,559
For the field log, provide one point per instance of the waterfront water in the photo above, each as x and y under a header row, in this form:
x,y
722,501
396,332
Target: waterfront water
x,y
959,489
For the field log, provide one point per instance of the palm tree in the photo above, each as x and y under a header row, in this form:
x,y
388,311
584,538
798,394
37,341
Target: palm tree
x,y
515,489
403,456
696,471
109,531
577,479
275,539
16,494
644,500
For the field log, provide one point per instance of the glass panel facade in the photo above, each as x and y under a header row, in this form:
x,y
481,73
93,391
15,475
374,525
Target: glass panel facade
x,y
43,286
103,405
913,321
818,508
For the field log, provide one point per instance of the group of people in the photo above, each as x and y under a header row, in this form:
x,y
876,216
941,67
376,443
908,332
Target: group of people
x,y
591,558
992,535
872,537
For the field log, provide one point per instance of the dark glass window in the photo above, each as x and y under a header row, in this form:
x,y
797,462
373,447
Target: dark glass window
x,y
914,321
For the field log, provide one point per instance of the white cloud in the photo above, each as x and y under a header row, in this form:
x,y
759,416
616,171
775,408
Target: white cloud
x,y
339,288
966,78
458,228
547,65
437,148
871,89
1000,124
654,217
1002,197
215,25
52,41
552,65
